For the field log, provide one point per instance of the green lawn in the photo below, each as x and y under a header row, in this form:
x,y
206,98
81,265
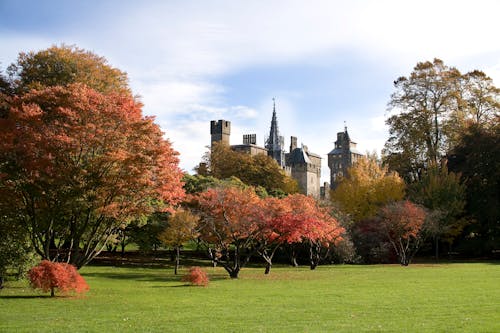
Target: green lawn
x,y
418,298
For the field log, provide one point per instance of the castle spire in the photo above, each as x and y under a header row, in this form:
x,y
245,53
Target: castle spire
x,y
275,143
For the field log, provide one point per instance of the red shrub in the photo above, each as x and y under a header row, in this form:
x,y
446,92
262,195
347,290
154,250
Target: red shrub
x,y
196,277
51,275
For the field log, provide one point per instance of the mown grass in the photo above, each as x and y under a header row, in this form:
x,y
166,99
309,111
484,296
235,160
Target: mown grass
x,y
385,298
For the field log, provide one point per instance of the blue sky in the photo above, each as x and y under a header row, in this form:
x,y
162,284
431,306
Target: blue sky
x,y
325,62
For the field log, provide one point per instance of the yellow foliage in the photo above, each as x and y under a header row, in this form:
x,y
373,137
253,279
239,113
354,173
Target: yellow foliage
x,y
367,188
181,228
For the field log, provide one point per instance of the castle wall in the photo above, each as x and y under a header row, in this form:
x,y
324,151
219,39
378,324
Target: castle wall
x,y
308,179
250,149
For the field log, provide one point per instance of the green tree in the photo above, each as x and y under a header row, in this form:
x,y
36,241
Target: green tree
x,y
16,251
431,109
443,194
198,183
477,158
258,170
64,65
368,187
422,104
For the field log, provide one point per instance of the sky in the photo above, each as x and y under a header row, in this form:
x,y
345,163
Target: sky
x,y
326,63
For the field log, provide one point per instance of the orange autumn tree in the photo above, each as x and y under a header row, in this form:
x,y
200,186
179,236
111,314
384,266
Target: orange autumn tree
x,y
402,223
50,276
317,227
297,219
231,219
77,164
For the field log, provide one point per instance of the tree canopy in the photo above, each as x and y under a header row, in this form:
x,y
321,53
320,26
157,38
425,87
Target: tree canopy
x,y
64,65
430,110
258,170
75,164
368,187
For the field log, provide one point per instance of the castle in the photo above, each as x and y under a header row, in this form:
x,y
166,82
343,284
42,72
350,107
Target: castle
x,y
299,163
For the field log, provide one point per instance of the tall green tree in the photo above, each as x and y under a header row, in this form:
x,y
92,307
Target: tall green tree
x,y
431,109
477,158
422,104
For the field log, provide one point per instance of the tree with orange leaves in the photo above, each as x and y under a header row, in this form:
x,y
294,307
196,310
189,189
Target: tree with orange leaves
x,y
231,219
297,219
318,228
76,164
51,275
402,223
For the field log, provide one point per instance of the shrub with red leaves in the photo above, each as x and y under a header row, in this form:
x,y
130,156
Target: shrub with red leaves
x,y
196,277
51,275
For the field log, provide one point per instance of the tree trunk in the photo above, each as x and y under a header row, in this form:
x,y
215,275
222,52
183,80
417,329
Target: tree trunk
x,y
268,268
436,246
314,255
233,273
52,292
177,258
293,256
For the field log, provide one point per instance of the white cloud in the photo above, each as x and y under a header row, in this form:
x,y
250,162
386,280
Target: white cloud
x,y
175,53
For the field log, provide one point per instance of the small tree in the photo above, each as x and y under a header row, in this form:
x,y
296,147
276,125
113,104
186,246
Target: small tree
x,y
231,220
51,275
402,221
181,228
196,277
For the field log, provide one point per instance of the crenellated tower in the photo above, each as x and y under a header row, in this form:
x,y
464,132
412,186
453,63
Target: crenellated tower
x,y
220,130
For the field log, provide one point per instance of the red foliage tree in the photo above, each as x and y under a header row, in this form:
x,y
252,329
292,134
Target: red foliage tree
x,y
231,220
196,276
294,219
317,227
402,222
51,275
77,164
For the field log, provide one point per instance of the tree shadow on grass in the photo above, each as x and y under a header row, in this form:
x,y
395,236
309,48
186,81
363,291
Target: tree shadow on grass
x,y
145,277
134,276
26,296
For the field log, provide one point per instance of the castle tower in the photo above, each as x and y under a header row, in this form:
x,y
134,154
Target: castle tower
x,y
220,130
342,157
275,143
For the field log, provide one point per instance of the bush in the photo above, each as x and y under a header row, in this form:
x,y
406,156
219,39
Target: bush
x,y
196,277
51,275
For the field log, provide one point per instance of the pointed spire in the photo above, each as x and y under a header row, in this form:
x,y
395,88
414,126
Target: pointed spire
x,y
345,127
275,143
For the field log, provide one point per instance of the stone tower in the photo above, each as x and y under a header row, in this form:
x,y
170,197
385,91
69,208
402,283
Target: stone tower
x,y
220,130
275,143
342,157
305,168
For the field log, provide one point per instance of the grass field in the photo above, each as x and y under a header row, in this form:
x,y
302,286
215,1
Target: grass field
x,y
380,298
